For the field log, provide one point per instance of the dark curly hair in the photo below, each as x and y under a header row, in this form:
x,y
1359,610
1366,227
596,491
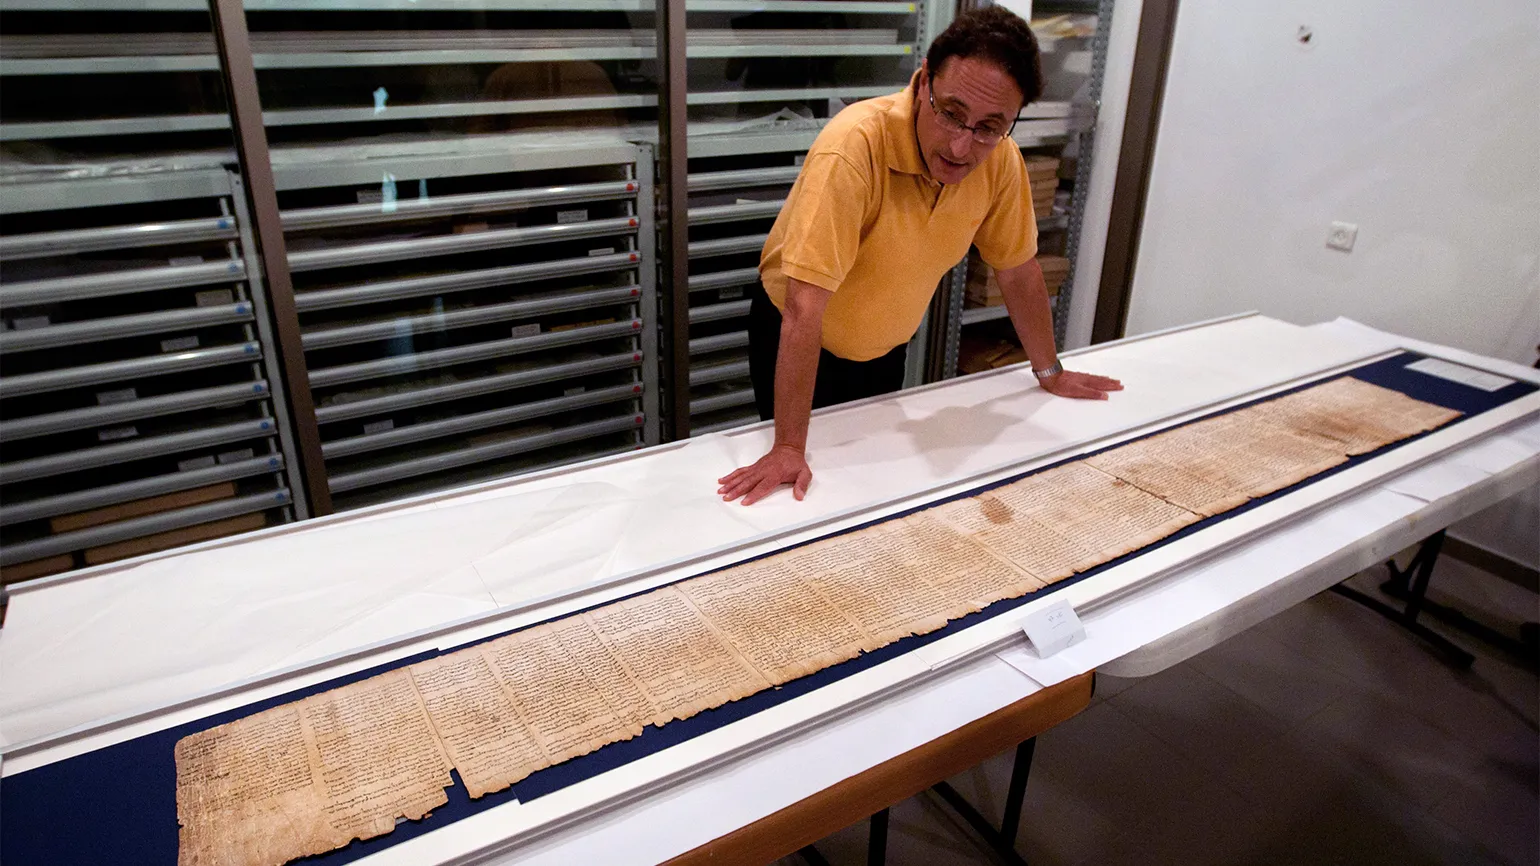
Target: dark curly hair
x,y
998,35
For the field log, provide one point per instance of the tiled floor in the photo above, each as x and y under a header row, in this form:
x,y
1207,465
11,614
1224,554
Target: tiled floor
x,y
1324,735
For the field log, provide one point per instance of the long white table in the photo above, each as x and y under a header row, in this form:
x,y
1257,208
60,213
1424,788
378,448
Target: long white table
x,y
96,657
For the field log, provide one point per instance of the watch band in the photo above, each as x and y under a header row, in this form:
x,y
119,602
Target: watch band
x,y
1049,373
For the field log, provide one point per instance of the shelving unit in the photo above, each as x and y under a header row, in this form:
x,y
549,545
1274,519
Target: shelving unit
x,y
466,199
139,402
461,323
825,55
141,405
1061,126
734,199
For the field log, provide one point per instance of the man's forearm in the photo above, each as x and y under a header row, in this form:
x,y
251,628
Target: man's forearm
x,y
796,372
1026,298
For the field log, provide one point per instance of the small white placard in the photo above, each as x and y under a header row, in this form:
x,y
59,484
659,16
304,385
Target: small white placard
x,y
113,434
237,456
1053,628
797,160
574,391
179,344
214,298
185,261
530,329
27,323
380,426
121,395
192,463
730,293
602,251
578,215
1460,373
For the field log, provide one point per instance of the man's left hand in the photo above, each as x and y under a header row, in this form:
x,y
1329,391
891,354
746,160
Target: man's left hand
x,y
1080,386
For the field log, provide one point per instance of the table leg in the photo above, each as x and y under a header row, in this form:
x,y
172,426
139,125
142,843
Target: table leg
x,y
810,854
877,840
1003,840
1010,822
1414,579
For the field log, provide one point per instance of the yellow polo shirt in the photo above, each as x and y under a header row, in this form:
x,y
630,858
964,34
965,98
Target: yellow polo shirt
x,y
866,222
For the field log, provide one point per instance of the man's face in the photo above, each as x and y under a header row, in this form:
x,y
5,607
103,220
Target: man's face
x,y
973,91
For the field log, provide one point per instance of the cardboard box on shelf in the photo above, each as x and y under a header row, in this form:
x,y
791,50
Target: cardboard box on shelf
x,y
37,568
985,352
174,538
1043,177
141,507
984,290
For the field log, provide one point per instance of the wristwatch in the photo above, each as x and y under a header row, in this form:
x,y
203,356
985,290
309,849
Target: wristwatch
x,y
1049,373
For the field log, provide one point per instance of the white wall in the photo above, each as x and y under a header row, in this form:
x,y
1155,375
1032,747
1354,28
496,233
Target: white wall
x,y
1418,120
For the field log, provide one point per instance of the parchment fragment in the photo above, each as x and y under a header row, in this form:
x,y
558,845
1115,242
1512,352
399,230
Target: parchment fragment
x,y
624,694
484,733
1214,465
1352,414
1217,464
569,713
969,574
1064,520
309,777
680,661
775,617
865,576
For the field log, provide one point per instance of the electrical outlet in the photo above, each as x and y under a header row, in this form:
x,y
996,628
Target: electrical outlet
x,y
1341,236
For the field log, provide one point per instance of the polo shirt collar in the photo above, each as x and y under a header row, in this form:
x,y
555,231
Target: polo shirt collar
x,y
898,129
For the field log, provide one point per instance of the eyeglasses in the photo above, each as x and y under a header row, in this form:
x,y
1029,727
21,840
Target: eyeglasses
x,y
984,133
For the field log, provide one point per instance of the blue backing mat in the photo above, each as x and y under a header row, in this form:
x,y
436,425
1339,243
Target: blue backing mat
x,y
118,804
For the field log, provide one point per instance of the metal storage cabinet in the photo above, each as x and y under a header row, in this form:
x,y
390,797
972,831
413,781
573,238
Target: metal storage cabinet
x,y
140,405
469,231
737,187
1061,124
137,387
752,58
463,320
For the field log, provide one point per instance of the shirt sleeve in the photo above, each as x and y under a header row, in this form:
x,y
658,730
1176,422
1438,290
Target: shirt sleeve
x,y
1008,235
824,216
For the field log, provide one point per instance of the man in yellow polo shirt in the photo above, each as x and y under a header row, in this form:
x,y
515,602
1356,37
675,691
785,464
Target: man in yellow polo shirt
x,y
890,197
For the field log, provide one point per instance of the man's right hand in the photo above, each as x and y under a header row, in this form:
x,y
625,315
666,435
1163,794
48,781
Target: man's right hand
x,y
785,464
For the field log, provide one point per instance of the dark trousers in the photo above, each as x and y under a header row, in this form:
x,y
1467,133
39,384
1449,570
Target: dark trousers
x,y
839,380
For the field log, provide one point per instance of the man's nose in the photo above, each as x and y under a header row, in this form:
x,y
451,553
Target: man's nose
x,y
959,145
